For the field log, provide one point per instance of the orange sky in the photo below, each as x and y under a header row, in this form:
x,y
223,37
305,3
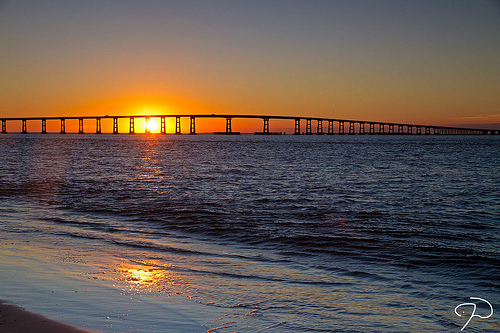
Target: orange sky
x,y
422,62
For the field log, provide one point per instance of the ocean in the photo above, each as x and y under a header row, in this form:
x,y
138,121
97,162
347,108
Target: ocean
x,y
353,233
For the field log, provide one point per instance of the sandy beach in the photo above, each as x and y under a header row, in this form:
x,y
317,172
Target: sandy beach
x,y
14,319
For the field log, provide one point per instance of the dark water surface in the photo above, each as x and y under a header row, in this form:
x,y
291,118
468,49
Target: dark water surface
x,y
297,233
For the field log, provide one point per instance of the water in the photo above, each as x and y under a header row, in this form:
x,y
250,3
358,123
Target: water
x,y
278,233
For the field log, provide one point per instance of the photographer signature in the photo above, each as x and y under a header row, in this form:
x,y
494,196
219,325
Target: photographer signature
x,y
473,314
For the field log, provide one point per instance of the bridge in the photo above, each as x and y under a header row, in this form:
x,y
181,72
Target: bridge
x,y
313,125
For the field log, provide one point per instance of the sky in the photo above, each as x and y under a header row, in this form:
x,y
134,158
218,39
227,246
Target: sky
x,y
422,62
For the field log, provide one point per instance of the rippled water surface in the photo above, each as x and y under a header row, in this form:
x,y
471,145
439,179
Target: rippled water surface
x,y
284,233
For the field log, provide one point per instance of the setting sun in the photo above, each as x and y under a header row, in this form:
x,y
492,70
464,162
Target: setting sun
x,y
151,126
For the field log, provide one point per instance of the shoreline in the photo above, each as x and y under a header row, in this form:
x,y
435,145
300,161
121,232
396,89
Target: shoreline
x,y
15,319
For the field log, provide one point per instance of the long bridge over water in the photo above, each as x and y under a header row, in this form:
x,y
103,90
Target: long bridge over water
x,y
313,125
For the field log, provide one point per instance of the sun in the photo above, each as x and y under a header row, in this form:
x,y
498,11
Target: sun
x,y
151,125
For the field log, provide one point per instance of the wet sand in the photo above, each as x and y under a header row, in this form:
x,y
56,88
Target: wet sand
x,y
14,319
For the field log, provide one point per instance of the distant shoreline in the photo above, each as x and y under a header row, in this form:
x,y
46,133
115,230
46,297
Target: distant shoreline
x,y
14,319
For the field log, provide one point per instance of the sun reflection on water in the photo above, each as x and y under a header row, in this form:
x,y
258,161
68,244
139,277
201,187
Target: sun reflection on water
x,y
145,278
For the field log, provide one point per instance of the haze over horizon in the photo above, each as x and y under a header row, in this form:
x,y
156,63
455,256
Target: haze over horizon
x,y
422,62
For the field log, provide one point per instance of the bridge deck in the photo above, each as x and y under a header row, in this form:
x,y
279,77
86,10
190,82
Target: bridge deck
x,y
353,127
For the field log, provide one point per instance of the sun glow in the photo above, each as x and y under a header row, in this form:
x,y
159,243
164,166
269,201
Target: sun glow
x,y
151,126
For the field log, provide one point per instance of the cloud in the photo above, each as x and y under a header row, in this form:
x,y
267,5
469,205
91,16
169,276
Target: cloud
x,y
491,118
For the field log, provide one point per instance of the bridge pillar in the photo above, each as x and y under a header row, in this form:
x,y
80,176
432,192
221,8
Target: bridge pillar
x,y
228,126
372,128
80,126
192,126
319,130
44,126
24,128
63,126
115,125
409,129
265,130
297,126
98,126
163,129
427,130
381,128
330,127
391,128
362,128
308,127
147,130
341,127
178,125
351,127
400,129
4,126
131,126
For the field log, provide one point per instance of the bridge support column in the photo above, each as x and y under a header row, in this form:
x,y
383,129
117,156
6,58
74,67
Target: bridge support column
x,y
308,127
4,126
147,130
115,125
351,127
265,130
98,126
409,130
400,129
44,126
178,125
228,126
192,126
362,128
330,127
163,129
80,126
63,126
131,127
391,128
24,128
319,130
381,128
297,126
372,128
341,127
